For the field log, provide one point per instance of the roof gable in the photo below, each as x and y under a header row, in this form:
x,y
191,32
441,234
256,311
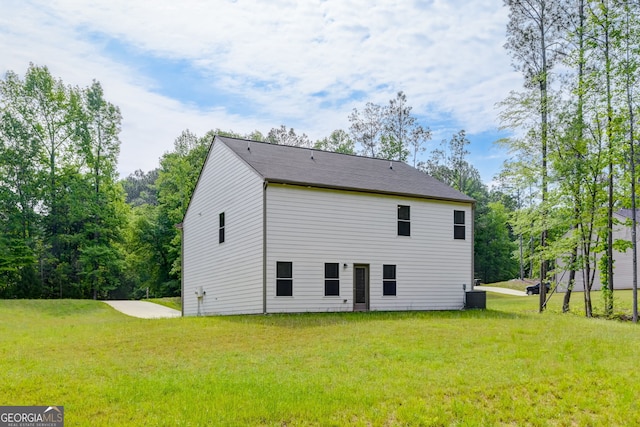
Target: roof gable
x,y
304,166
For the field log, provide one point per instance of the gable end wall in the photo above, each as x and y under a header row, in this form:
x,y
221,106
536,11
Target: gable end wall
x,y
231,272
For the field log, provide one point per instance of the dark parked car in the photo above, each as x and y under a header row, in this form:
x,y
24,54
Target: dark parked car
x,y
535,289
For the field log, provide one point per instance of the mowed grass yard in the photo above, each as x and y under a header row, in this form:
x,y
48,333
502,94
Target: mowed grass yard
x,y
507,365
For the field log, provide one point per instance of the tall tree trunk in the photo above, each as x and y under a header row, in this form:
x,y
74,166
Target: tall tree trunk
x,y
609,293
632,161
544,110
578,153
572,279
587,281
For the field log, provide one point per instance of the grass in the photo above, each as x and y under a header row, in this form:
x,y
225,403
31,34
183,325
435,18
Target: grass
x,y
518,285
171,302
506,365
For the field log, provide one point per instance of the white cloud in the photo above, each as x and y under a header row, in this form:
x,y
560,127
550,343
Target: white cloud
x,y
446,55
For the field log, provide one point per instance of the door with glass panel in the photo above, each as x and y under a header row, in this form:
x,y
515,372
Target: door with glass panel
x,y
361,287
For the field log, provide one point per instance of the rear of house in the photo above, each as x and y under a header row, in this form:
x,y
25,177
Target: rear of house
x,y
274,229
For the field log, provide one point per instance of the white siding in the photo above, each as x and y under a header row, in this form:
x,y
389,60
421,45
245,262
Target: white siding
x,y
310,227
622,266
230,273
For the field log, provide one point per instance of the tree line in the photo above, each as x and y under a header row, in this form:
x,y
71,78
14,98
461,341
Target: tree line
x,y
71,229
574,154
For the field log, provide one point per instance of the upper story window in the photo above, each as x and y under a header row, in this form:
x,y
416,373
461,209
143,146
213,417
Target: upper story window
x,y
404,220
331,279
458,225
221,228
284,279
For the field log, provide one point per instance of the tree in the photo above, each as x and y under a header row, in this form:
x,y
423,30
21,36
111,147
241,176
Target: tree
x,y
283,136
390,132
631,64
534,39
402,133
140,188
494,246
448,163
149,258
338,142
366,127
100,258
21,182
179,171
63,209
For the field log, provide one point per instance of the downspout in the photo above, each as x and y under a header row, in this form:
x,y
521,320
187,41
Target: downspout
x,y
180,226
264,248
473,235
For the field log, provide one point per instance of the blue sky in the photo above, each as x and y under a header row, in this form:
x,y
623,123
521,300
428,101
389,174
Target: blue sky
x,y
249,65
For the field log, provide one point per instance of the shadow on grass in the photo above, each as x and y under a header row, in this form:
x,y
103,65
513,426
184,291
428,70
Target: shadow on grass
x,y
311,320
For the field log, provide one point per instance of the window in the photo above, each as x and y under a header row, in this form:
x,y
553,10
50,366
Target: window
x,y
221,228
388,280
331,279
404,223
284,279
458,225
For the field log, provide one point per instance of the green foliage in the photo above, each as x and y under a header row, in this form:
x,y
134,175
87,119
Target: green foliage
x,y
148,259
393,149
282,136
140,188
177,177
338,142
448,164
570,159
389,132
494,246
63,212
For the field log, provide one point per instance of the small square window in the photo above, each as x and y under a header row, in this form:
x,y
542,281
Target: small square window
x,y
389,288
388,280
389,272
332,279
285,270
404,212
331,270
284,287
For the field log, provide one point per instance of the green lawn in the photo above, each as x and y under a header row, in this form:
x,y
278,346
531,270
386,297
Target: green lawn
x,y
506,365
171,302
518,285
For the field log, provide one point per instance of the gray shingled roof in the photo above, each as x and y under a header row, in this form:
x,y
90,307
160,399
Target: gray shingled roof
x,y
294,165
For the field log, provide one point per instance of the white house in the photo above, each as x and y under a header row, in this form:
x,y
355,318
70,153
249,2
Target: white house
x,y
273,229
622,261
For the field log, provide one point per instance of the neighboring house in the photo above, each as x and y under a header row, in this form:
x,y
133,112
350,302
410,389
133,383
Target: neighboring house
x,y
622,261
273,229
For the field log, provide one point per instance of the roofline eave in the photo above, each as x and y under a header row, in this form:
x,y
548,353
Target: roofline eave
x,y
368,191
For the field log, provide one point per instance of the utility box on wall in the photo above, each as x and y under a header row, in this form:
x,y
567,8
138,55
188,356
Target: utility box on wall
x,y
476,299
